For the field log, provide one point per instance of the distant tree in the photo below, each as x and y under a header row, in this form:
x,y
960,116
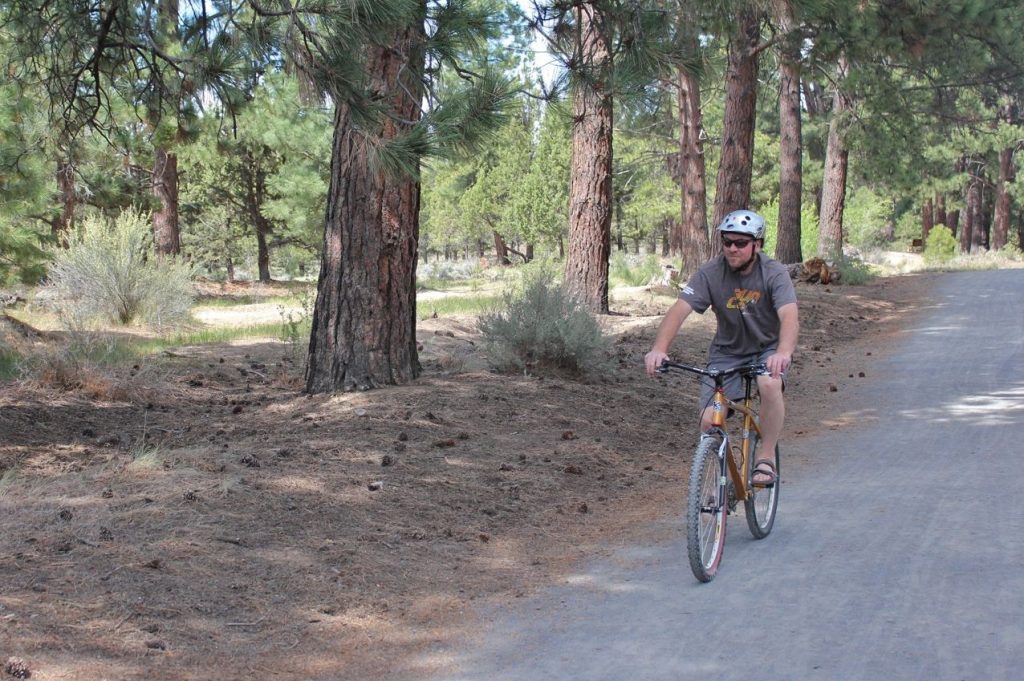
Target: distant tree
x,y
607,47
787,248
735,168
833,199
693,232
266,175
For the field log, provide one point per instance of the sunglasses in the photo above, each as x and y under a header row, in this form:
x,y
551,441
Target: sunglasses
x,y
736,243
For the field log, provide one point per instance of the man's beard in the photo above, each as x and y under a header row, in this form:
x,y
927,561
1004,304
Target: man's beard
x,y
745,265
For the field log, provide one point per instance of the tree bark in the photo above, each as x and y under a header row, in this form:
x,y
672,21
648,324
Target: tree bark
x,y
693,240
364,320
1001,222
953,220
590,191
732,187
166,235
927,220
787,244
980,222
972,210
255,193
65,221
940,208
833,197
500,249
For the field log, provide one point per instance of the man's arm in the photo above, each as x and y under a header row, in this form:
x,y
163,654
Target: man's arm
x,y
668,329
789,330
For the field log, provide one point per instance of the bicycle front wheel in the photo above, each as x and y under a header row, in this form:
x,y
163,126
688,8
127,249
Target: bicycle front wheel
x,y
706,508
762,503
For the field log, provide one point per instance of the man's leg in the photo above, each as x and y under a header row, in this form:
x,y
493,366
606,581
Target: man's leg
x,y
773,413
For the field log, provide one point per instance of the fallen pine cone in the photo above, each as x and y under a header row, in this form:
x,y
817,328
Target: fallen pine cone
x,y
17,668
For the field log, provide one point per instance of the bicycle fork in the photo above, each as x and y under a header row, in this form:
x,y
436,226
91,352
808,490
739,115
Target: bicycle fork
x,y
722,499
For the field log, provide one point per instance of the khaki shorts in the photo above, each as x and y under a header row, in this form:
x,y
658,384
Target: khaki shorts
x,y
733,384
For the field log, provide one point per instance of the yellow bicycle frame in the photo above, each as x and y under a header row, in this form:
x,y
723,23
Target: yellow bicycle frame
x,y
720,405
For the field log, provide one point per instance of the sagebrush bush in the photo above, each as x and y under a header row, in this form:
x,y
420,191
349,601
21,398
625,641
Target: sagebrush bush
x,y
853,272
108,274
941,245
634,270
542,327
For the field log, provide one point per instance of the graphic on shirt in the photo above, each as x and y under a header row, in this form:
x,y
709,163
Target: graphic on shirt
x,y
742,298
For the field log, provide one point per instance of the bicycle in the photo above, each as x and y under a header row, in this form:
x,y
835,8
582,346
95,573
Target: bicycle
x,y
717,481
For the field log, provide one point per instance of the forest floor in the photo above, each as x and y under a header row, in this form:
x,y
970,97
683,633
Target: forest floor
x,y
195,516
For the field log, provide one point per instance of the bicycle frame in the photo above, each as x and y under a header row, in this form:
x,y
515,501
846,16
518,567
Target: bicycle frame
x,y
720,405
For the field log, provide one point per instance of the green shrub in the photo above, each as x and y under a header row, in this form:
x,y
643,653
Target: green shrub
x,y
866,216
633,270
941,246
854,272
808,228
542,327
9,363
108,274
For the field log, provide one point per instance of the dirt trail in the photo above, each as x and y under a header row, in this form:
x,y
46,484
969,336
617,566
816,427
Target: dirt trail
x,y
195,516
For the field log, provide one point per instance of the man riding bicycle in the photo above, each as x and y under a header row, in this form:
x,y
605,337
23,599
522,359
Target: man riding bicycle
x,y
755,304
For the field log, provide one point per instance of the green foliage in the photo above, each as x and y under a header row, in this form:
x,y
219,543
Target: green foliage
x,y
108,274
941,246
297,322
9,363
865,218
447,306
541,327
854,272
646,197
808,227
271,168
25,185
633,270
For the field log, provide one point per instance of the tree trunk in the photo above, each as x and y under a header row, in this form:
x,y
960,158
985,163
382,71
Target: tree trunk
x,y
953,220
971,213
255,192
927,220
787,244
364,321
500,249
590,191
1001,222
693,240
230,266
65,222
940,208
833,197
166,237
732,188
980,222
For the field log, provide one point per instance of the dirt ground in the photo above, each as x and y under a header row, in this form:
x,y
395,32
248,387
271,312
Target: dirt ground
x,y
196,517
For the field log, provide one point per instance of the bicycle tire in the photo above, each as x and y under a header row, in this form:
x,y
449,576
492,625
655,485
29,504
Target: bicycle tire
x,y
763,502
707,509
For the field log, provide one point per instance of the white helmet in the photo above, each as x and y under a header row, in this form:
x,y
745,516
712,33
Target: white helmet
x,y
743,222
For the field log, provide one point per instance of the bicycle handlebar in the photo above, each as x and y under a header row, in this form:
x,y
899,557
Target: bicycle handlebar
x,y
758,369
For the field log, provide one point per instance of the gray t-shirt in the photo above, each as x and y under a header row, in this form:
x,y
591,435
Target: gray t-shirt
x,y
746,306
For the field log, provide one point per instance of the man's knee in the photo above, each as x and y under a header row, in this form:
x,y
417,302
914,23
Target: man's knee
x,y
771,389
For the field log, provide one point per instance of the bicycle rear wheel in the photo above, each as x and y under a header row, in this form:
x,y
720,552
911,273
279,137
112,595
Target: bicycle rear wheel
x,y
706,509
762,503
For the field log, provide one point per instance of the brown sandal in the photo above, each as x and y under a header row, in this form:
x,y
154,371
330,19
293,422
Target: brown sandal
x,y
766,469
